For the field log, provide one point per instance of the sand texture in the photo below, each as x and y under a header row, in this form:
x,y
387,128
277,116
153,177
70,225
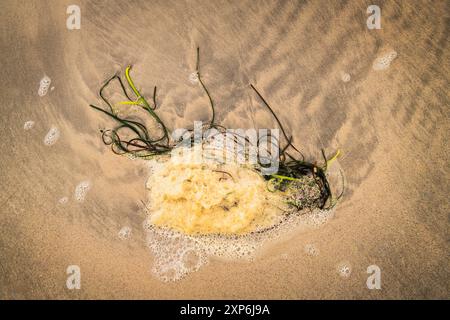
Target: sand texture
x,y
65,198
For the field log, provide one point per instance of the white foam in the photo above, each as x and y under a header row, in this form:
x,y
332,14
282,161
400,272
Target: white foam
x,y
167,245
28,125
124,233
52,136
44,85
63,200
193,78
81,190
130,156
177,254
383,62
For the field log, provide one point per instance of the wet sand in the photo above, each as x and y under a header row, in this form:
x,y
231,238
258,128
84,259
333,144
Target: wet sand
x,y
392,126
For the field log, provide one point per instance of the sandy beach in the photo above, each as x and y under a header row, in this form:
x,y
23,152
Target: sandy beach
x,y
319,66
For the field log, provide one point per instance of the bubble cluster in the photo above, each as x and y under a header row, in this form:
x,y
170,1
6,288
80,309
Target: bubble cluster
x,y
81,190
193,78
175,255
44,84
131,156
52,136
168,247
28,125
383,62
318,218
63,200
124,233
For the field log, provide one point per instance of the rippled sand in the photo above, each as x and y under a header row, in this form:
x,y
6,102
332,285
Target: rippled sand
x,y
321,69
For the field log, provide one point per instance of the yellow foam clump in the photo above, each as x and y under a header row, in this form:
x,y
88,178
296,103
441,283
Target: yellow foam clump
x,y
208,198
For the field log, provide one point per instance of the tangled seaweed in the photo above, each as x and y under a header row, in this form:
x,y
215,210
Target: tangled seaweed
x,y
306,182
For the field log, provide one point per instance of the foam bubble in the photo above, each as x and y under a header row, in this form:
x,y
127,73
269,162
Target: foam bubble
x,y
52,136
130,156
81,190
175,255
124,233
392,55
28,125
167,246
63,200
193,78
383,62
44,85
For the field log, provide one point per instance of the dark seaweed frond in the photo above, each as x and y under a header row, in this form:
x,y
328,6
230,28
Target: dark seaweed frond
x,y
292,171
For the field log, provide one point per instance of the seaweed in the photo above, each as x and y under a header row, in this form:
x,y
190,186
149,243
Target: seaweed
x,y
291,171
